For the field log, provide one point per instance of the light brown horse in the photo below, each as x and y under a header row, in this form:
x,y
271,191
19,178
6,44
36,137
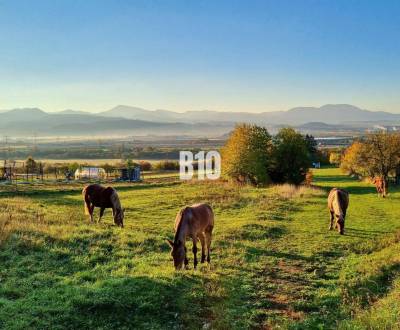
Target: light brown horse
x,y
338,202
380,185
192,222
96,195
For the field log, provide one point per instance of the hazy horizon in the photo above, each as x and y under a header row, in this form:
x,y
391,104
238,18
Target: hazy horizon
x,y
164,109
256,56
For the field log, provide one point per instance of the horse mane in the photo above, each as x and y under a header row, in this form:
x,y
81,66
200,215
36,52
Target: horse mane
x,y
340,198
115,200
178,222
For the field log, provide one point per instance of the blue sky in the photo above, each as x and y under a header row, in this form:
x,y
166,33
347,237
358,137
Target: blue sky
x,y
193,55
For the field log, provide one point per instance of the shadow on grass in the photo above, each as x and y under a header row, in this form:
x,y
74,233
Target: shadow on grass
x,y
336,178
353,232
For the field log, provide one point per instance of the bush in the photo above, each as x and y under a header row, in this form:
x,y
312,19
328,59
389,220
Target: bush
x,y
309,178
145,165
167,165
246,155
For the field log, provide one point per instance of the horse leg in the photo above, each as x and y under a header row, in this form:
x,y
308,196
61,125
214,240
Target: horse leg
x,y
332,218
208,239
194,238
202,239
101,214
91,210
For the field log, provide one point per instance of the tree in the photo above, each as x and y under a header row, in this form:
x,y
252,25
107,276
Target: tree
x,y
311,147
130,163
353,160
335,158
72,167
30,165
375,156
381,154
247,154
290,157
107,168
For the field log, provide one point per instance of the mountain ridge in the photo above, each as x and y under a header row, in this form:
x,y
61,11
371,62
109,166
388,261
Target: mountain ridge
x,y
123,119
328,113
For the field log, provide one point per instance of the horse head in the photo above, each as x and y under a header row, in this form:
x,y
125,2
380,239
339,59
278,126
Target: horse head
x,y
340,223
178,253
119,217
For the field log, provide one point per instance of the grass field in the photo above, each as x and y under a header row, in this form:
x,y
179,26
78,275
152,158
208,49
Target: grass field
x,y
274,264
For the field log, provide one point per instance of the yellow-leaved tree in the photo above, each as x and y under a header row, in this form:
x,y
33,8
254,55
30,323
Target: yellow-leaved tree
x,y
246,155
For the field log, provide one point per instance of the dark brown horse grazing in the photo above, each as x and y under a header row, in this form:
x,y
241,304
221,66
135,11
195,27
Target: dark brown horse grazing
x,y
95,195
194,222
338,201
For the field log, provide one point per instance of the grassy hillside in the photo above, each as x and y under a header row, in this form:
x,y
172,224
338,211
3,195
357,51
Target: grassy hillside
x,y
274,263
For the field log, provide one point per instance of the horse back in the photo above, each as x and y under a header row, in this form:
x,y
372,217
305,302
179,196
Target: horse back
x,y
338,198
98,195
203,215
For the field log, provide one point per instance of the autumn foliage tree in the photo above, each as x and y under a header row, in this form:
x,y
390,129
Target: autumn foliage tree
x,y
246,155
335,158
353,159
375,156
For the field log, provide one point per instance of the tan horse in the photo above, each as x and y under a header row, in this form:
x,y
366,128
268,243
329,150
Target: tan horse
x,y
380,185
192,222
338,202
96,195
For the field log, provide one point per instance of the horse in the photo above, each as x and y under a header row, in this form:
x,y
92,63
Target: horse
x,y
96,195
380,184
338,202
192,222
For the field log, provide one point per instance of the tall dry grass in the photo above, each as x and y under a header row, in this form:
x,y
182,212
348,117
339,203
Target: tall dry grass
x,y
290,191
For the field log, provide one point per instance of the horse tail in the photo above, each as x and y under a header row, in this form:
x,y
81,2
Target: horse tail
x,y
86,200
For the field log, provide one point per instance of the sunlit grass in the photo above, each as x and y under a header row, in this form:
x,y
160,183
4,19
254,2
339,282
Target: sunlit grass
x,y
273,261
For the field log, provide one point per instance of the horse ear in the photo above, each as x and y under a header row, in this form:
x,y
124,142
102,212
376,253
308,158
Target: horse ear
x,y
170,242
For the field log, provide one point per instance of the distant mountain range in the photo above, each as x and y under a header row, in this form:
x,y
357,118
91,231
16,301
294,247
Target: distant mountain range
x,y
328,114
125,120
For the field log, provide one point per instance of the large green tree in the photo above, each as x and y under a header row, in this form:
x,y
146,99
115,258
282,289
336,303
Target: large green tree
x,y
247,154
291,159
311,144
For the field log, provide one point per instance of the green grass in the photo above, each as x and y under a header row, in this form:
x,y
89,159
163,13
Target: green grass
x,y
274,264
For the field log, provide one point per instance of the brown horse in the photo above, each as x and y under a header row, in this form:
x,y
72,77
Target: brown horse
x,y
96,195
194,222
338,201
380,185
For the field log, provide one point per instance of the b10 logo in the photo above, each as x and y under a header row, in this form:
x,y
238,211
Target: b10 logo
x,y
208,165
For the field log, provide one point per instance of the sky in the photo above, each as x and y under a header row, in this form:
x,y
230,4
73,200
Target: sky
x,y
194,55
